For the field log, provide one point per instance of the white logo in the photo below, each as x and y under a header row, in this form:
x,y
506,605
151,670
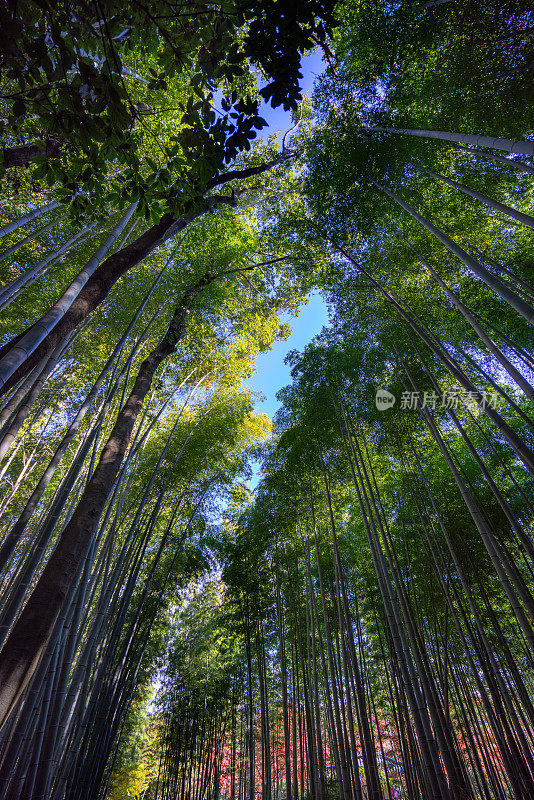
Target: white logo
x,y
384,399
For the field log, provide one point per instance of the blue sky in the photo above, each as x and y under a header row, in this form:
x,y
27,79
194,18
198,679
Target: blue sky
x,y
280,120
271,372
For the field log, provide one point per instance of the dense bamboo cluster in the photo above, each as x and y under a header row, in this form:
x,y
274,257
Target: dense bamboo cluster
x,y
85,581
391,671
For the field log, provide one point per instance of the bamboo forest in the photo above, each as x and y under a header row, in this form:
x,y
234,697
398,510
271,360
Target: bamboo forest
x,y
266,400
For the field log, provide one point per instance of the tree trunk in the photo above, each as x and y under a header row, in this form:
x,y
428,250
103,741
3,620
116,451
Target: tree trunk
x,y
13,537
20,221
518,445
11,290
468,316
503,291
32,630
517,165
29,341
115,266
510,145
22,155
519,216
33,235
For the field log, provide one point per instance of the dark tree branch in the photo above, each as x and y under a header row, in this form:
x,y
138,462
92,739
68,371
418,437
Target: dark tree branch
x,y
239,174
21,156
